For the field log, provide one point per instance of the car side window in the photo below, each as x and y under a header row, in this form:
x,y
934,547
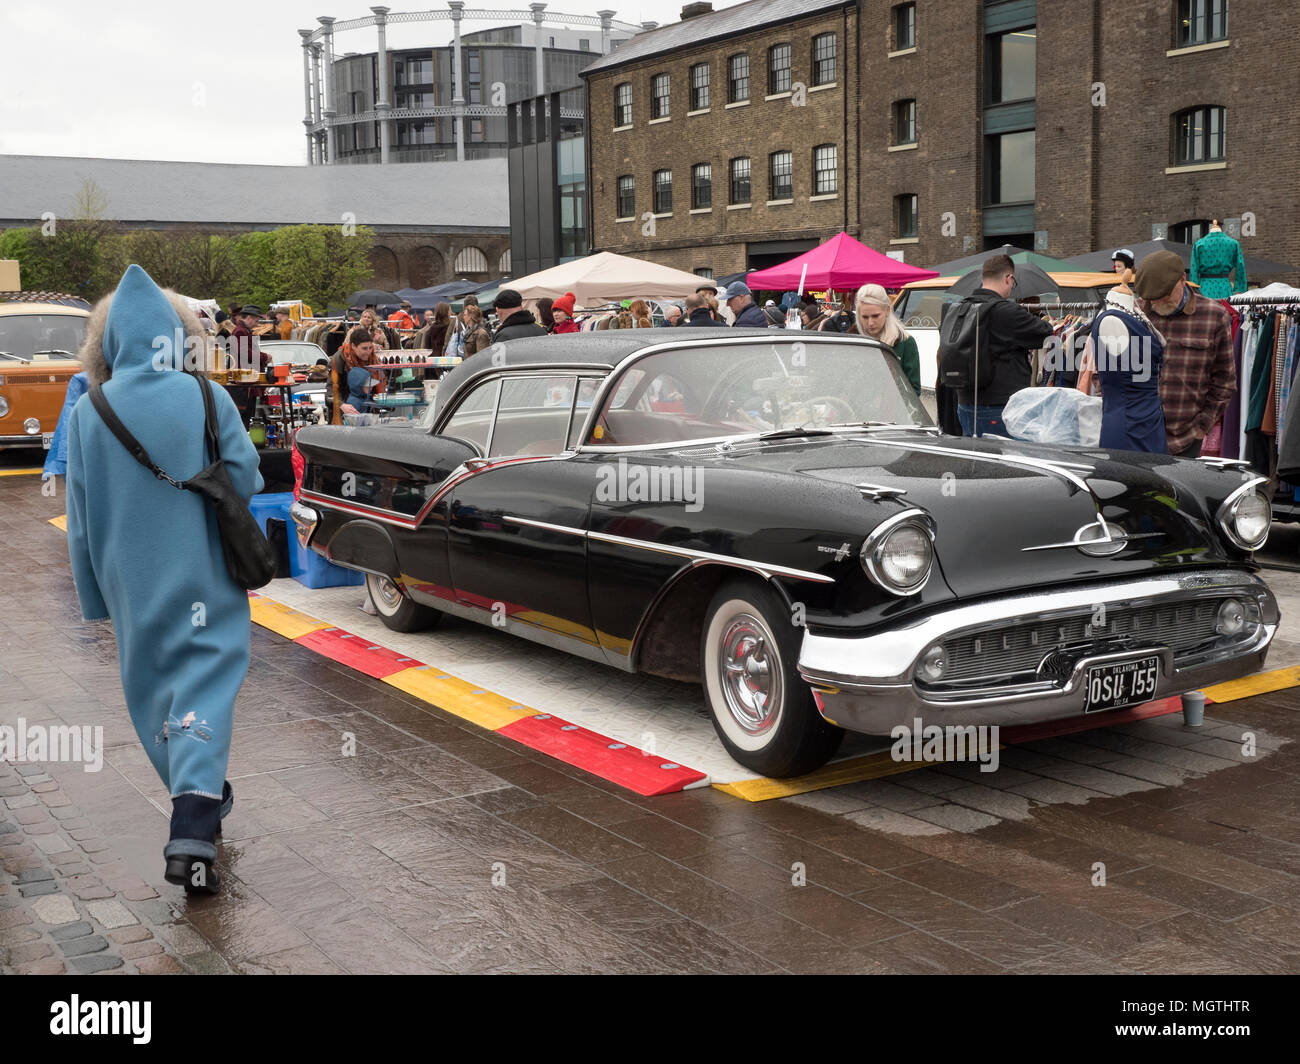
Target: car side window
x,y
587,388
533,416
472,420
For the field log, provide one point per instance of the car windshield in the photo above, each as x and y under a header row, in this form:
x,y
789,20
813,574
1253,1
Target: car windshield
x,y
52,336
699,392
287,353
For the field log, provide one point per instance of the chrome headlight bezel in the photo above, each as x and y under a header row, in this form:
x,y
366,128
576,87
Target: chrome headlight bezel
x,y
1226,517
873,546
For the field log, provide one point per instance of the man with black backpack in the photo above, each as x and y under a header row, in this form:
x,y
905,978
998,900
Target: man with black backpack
x,y
984,345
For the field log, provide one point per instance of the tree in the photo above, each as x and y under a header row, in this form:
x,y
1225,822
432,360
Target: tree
x,y
79,253
197,264
253,259
320,264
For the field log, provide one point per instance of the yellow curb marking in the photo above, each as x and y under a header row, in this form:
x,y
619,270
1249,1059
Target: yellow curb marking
x,y
60,522
454,695
21,472
1261,683
282,620
855,770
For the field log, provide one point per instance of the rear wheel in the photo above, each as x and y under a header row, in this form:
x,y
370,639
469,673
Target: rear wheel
x,y
762,709
396,609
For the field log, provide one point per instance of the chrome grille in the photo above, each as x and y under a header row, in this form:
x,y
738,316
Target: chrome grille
x,y
1017,648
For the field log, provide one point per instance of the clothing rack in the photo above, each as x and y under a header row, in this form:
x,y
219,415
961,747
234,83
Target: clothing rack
x,y
1264,301
1063,306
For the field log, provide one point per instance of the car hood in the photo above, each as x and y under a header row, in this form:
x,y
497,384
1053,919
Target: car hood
x,y
997,504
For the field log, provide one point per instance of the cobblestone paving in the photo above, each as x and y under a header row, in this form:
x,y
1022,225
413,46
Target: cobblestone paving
x,y
442,848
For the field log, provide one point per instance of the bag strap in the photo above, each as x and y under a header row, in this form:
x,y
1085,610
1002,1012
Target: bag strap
x,y
210,427
136,449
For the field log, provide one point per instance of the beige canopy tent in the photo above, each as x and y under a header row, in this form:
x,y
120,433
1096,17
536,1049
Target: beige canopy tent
x,y
607,278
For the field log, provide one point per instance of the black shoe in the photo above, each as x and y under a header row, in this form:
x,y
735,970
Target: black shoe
x,y
196,874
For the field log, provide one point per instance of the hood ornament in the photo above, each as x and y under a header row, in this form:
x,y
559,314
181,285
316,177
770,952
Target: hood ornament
x,y
1098,539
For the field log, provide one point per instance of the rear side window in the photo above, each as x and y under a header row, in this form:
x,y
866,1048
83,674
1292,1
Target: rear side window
x,y
472,420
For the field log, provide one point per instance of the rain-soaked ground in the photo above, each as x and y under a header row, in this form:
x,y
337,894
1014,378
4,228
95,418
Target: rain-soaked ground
x,y
440,847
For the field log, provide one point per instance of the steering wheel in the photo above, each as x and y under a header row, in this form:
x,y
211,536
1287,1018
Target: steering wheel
x,y
836,403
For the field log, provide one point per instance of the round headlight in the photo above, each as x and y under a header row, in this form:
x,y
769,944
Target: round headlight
x,y
4,406
1250,518
933,664
899,554
31,426
1231,619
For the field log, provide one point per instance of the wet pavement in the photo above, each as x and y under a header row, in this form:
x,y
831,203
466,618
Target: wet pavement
x,y
372,832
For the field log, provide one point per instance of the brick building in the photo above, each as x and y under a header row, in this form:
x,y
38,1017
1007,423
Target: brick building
x,y
719,142
1065,127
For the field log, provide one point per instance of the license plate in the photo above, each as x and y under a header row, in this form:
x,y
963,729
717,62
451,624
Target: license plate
x,y
47,438
1121,683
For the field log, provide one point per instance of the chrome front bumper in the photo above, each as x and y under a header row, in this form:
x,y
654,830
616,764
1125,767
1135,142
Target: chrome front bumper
x,y
865,683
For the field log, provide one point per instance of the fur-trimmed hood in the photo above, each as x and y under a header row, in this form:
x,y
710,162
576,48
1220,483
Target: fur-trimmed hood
x,y
94,361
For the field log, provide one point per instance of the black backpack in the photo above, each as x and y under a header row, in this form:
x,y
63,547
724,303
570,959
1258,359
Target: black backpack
x,y
960,335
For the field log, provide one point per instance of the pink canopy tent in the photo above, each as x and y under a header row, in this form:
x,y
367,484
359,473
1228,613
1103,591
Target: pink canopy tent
x,y
841,263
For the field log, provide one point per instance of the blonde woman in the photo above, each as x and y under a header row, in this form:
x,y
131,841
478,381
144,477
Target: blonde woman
x,y
873,315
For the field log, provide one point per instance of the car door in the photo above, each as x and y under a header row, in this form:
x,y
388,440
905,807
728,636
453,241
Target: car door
x,y
517,524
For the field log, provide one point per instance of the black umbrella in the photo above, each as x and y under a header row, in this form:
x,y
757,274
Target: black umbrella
x,y
377,296
1030,281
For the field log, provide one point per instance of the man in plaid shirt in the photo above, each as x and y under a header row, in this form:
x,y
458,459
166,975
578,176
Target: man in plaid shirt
x,y
1197,377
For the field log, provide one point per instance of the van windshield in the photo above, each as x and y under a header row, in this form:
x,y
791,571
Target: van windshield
x,y
54,336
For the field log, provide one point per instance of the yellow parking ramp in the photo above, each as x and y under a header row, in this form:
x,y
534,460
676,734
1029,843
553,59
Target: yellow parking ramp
x,y
853,770
452,694
281,619
1261,683
60,522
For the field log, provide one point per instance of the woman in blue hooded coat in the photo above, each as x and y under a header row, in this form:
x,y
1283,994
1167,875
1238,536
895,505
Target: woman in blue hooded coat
x,y
148,556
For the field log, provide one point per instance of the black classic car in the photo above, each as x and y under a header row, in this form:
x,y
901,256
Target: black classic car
x,y
773,515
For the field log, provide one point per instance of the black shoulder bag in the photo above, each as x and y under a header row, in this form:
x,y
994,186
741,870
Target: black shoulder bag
x,y
249,557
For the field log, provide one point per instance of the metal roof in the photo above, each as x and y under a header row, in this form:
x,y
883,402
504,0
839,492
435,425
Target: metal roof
x,y
470,196
728,22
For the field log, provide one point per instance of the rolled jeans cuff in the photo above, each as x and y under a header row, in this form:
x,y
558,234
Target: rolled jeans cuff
x,y
190,848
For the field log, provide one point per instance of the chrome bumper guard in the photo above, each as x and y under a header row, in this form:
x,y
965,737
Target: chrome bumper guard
x,y
305,520
866,684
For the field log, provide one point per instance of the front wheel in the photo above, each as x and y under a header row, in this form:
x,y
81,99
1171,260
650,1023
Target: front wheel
x,y
762,709
396,610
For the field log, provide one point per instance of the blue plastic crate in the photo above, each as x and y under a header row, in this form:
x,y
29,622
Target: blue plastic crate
x,y
305,565
270,504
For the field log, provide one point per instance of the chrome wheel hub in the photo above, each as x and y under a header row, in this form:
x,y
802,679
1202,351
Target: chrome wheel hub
x,y
388,597
751,674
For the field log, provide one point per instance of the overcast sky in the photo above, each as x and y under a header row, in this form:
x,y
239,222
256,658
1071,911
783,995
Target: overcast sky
x,y
212,82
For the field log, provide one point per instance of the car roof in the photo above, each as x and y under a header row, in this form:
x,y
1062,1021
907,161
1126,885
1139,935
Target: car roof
x,y
43,308
603,350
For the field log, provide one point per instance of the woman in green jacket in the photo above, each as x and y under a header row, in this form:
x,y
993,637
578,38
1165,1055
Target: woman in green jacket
x,y
874,316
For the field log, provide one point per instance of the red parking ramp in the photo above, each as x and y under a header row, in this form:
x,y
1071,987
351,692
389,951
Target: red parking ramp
x,y
357,652
637,770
